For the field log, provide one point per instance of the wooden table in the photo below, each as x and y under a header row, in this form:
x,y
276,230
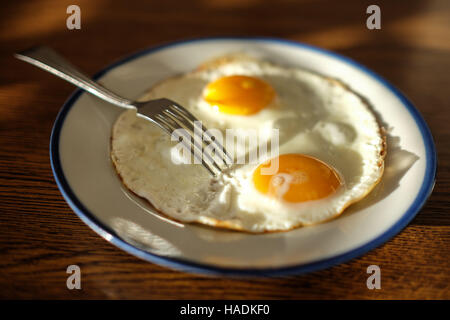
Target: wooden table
x,y
40,235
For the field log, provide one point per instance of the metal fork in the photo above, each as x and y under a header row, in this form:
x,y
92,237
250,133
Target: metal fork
x,y
165,113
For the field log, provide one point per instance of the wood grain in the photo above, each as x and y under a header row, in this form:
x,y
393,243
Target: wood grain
x,y
40,235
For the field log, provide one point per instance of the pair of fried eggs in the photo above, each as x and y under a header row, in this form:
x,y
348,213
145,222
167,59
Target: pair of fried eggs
x,y
331,148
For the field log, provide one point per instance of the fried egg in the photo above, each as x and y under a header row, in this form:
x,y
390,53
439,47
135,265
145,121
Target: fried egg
x,y
331,148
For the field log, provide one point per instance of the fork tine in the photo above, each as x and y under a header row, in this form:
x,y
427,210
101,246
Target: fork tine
x,y
187,124
190,119
176,121
171,125
162,125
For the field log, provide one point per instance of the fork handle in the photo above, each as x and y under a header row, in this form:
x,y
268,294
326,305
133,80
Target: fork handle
x,y
48,60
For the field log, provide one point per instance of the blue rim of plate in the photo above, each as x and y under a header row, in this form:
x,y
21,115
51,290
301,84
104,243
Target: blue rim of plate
x,y
189,266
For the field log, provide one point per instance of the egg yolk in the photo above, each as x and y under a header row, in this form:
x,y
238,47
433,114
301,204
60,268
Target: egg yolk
x,y
299,178
239,95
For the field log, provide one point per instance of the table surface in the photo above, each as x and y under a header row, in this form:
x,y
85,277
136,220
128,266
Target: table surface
x,y
40,235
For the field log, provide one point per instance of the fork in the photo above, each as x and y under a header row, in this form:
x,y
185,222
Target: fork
x,y
165,113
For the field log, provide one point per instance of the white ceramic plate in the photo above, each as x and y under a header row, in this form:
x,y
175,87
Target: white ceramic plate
x,y
84,173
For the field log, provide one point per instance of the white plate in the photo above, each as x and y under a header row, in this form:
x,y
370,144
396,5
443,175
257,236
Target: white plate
x,y
84,173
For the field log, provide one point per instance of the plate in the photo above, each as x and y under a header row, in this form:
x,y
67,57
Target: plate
x,y
79,150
